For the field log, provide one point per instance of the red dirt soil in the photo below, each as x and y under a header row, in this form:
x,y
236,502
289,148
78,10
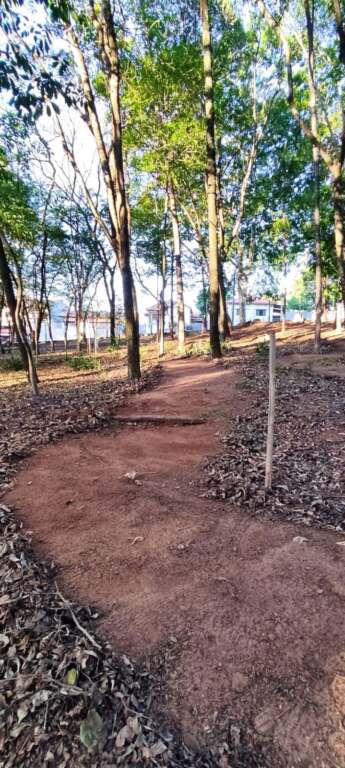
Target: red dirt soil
x,y
248,621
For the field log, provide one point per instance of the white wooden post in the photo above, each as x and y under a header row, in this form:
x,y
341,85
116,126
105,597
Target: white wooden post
x,y
271,401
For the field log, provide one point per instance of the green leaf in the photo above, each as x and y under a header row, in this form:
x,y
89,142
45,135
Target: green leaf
x,y
91,729
72,676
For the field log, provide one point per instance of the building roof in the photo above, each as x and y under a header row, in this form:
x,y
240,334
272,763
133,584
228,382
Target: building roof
x,y
258,302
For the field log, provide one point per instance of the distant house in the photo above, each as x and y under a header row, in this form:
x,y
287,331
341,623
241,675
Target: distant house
x,y
266,310
96,324
193,321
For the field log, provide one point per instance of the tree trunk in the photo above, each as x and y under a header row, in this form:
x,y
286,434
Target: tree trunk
x,y
223,320
309,8
284,297
211,181
66,328
284,304
50,327
172,297
338,195
204,304
42,292
162,295
318,258
241,286
161,320
112,309
131,321
110,291
178,268
13,304
117,190
37,332
242,296
78,317
111,164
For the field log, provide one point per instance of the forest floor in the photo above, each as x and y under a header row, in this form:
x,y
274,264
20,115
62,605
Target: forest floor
x,y
230,604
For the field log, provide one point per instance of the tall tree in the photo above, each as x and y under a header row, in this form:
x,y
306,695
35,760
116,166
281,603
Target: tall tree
x,y
178,266
211,180
110,156
309,8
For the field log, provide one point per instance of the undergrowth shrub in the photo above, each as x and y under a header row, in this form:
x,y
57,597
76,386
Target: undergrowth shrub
x,y
198,348
262,348
114,345
83,363
12,363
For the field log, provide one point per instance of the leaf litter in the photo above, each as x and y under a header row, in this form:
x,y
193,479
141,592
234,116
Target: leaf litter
x,y
309,440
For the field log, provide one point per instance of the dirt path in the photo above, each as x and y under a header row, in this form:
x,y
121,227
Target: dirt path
x,y
246,622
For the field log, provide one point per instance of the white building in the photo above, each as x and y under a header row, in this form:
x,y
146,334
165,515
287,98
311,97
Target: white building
x,y
193,320
266,310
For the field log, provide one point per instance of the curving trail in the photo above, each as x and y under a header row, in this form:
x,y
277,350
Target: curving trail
x,y
245,623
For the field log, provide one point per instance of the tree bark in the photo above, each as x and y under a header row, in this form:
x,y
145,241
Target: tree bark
x,y
242,298
110,291
109,53
223,319
37,332
78,311
204,293
178,267
309,8
13,304
41,302
163,287
211,180
284,304
172,297
66,327
318,256
162,318
50,327
338,202
112,309
241,286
